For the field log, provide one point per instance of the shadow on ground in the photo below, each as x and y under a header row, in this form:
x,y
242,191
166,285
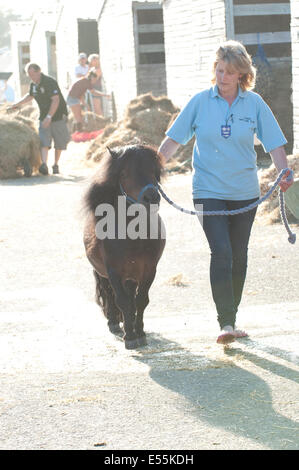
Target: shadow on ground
x,y
42,180
224,394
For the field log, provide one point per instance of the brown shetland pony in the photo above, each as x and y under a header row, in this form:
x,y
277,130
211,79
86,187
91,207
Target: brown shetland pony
x,y
124,267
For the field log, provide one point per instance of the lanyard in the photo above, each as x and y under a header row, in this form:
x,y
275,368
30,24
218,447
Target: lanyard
x,y
226,129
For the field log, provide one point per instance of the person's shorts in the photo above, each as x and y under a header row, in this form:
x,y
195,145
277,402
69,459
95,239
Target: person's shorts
x,y
58,132
71,101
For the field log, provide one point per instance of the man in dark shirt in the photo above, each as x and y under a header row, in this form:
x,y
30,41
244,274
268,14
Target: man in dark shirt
x,y
53,113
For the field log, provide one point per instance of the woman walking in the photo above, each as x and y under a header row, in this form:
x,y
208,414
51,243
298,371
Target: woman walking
x,y
224,119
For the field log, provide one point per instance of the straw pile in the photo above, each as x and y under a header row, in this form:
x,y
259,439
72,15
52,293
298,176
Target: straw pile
x,y
30,111
28,114
268,211
146,119
91,122
3,108
19,146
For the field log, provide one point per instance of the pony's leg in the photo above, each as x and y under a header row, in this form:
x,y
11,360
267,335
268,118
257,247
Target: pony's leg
x,y
105,298
125,301
142,301
98,294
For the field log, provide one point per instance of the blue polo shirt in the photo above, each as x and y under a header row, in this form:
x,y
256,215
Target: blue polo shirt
x,y
224,159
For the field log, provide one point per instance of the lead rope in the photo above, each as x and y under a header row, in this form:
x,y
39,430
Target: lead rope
x,y
292,236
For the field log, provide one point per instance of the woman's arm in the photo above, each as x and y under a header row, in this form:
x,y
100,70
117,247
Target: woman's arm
x,y
168,148
99,93
280,161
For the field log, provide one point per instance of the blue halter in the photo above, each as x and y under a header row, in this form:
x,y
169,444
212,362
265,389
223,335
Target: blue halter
x,y
131,199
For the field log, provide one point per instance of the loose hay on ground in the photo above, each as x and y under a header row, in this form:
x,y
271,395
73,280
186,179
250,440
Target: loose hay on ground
x,y
178,280
19,143
91,122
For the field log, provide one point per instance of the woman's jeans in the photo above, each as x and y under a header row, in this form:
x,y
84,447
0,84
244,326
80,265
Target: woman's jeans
x,y
228,237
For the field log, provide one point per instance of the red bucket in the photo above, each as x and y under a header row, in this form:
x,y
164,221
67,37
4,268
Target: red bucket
x,y
85,136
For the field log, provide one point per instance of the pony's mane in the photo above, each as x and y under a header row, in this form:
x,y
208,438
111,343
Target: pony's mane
x,y
104,186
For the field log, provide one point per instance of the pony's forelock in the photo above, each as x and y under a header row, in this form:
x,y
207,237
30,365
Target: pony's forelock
x,y
105,182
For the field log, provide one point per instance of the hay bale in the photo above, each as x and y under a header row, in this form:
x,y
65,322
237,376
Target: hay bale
x,y
146,119
148,101
108,130
33,124
95,144
19,147
3,108
30,111
119,138
268,211
150,123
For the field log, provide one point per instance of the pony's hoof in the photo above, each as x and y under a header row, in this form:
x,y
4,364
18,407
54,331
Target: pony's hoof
x,y
131,343
115,329
142,341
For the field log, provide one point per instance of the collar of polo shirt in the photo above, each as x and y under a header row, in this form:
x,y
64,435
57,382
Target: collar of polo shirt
x,y
215,92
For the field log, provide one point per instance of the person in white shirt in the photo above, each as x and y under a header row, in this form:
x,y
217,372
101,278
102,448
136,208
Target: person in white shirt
x,y
82,68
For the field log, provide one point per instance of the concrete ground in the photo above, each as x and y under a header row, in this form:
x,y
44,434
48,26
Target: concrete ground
x,y
67,383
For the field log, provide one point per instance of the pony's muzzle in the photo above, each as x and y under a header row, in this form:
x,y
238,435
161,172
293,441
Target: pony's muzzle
x,y
150,196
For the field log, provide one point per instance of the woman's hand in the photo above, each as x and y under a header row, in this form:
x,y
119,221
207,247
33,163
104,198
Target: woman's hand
x,y
286,181
280,161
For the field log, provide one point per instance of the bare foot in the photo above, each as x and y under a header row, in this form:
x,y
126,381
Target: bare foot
x,y
227,335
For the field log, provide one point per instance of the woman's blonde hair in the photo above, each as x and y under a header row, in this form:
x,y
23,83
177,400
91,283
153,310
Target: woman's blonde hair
x,y
238,59
92,57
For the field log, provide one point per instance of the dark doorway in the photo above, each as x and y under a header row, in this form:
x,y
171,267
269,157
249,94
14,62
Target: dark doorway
x,y
88,37
149,48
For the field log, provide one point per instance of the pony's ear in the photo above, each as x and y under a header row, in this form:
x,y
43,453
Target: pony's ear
x,y
113,154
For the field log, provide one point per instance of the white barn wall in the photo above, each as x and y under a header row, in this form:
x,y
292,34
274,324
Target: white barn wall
x,y
20,33
193,30
66,47
43,21
117,52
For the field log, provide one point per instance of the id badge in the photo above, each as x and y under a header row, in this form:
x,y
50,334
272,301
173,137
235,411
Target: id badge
x,y
226,131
